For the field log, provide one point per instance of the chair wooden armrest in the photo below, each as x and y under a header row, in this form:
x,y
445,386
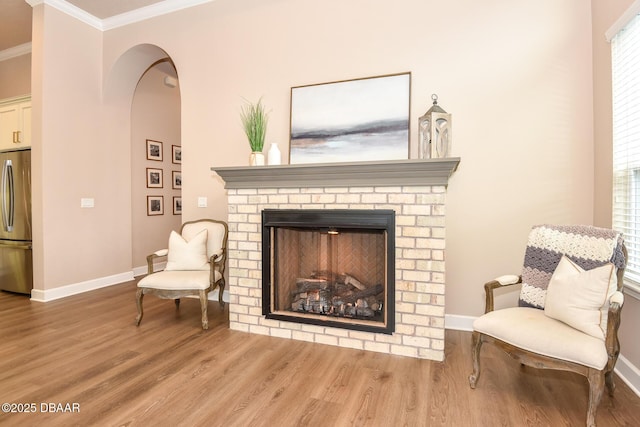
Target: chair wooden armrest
x,y
218,261
218,257
499,282
611,342
153,256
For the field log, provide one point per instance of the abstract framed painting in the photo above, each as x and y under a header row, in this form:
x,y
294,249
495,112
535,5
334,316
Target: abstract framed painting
x,y
356,120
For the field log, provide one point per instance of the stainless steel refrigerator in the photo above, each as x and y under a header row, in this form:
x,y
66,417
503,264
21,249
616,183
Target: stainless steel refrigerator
x,y
16,265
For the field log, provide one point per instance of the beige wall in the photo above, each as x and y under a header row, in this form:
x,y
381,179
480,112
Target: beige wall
x,y
155,114
15,76
72,159
517,76
520,99
605,13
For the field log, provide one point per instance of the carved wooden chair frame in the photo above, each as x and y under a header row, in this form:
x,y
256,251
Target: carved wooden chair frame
x,y
217,263
597,378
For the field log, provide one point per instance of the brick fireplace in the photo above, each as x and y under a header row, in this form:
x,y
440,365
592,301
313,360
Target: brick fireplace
x,y
414,189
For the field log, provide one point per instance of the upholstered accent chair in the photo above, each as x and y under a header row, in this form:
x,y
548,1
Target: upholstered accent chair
x,y
569,308
195,266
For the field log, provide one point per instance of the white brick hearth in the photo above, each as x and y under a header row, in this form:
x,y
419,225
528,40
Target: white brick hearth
x,y
420,255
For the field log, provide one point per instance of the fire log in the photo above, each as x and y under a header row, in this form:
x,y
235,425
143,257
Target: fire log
x,y
373,290
305,284
350,280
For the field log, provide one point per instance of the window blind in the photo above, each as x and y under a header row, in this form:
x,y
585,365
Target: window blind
x,y
625,58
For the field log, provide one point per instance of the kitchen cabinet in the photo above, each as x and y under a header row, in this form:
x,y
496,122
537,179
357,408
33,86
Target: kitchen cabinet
x,y
15,123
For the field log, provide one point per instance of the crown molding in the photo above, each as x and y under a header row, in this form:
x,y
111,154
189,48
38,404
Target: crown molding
x,y
142,14
157,9
70,10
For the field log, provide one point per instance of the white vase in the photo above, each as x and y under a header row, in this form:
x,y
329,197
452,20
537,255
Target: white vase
x,y
275,157
256,158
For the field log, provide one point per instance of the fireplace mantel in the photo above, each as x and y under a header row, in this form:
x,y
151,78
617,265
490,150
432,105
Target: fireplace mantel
x,y
395,172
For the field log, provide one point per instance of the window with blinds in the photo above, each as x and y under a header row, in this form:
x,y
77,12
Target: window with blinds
x,y
625,58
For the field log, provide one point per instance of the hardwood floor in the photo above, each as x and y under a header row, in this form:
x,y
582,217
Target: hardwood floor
x,y
86,350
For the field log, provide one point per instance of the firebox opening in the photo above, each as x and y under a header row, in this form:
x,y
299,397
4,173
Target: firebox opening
x,y
330,267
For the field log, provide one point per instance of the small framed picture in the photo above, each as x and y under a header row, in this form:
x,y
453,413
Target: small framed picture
x,y
154,150
155,205
176,151
176,180
154,178
177,205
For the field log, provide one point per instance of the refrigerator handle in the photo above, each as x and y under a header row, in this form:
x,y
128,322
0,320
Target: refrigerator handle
x,y
7,184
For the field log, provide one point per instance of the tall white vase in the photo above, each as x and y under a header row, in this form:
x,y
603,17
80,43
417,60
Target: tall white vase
x,y
275,157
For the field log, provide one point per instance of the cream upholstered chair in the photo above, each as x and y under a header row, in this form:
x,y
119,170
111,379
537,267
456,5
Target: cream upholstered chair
x,y
569,307
195,266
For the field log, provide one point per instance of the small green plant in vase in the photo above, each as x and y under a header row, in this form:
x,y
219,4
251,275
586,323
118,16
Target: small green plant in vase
x,y
254,122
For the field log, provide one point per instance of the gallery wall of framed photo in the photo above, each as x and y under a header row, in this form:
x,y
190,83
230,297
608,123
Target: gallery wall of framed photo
x,y
163,178
156,164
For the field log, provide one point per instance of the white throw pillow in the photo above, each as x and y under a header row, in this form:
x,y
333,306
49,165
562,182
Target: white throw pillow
x,y
191,255
578,297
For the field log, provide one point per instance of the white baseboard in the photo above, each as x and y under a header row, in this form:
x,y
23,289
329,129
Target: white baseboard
x,y
458,323
139,271
627,371
90,285
142,270
213,296
78,288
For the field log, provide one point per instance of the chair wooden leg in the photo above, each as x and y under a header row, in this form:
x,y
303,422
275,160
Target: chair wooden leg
x,y
608,380
139,295
203,304
177,301
476,344
220,292
596,388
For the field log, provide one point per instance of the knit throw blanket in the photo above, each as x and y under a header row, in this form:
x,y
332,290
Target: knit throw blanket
x,y
587,246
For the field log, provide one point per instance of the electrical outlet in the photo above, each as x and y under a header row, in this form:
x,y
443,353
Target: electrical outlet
x,y
87,202
202,202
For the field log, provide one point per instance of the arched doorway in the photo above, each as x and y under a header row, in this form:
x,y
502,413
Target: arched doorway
x,y
143,96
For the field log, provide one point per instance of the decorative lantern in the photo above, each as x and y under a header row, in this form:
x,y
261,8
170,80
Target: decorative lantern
x,y
434,132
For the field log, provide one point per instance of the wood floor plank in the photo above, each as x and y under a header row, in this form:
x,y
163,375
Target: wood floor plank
x,y
86,350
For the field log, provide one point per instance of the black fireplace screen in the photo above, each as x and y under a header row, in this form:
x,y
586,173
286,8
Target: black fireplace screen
x,y
330,267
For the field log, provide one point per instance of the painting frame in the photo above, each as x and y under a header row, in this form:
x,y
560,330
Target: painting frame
x,y
363,119
155,205
154,150
155,178
176,154
176,180
177,205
